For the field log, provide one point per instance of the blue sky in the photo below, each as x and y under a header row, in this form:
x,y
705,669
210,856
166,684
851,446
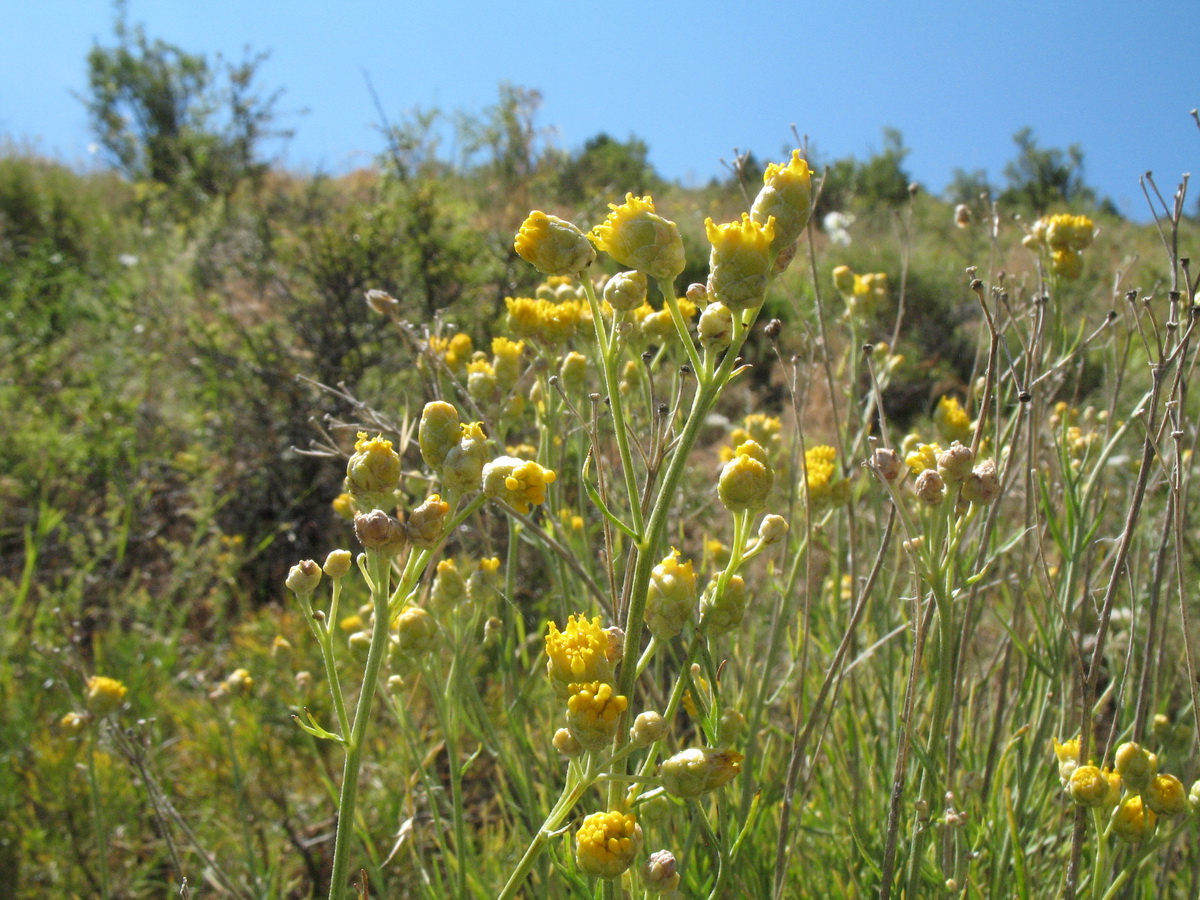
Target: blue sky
x,y
694,80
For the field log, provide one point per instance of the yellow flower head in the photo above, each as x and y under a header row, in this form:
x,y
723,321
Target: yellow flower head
x,y
455,350
922,457
553,246
506,360
786,196
1088,786
844,280
416,631
1136,765
1067,232
1132,821
635,236
740,261
104,695
578,654
746,479
547,320
1165,795
518,482
343,506
372,472
592,713
952,420
671,596
449,587
820,467
1068,758
607,843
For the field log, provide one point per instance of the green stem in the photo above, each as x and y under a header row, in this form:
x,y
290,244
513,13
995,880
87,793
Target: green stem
x,y
98,812
612,387
239,786
380,567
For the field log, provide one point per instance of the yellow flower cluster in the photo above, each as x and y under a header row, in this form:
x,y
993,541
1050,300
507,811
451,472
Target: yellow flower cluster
x,y
952,420
740,261
506,360
518,482
104,695
746,480
820,465
922,456
577,654
455,350
553,246
607,843
1064,237
546,320
862,293
592,713
764,430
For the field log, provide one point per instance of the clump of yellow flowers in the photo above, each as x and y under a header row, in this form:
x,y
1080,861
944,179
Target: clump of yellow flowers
x,y
577,654
607,843
636,236
1063,237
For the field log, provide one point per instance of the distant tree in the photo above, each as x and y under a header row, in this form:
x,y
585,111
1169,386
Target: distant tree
x,y
967,187
879,181
1040,178
164,115
605,167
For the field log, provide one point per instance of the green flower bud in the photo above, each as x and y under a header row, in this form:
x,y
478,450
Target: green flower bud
x,y
1132,821
660,873
786,196
716,326
574,372
377,530
626,291
1088,787
723,612
303,578
740,261
439,432
690,773
337,563
954,464
635,236
1136,767
449,588
746,480
647,728
553,246
416,632
1165,795
427,522
373,472
671,597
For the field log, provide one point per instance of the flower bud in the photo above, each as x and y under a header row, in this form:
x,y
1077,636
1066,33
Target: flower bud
x,y
104,695
690,773
574,372
72,723
1165,795
930,488
337,563
962,215
723,612
304,681
732,724
983,484
954,465
506,360
416,631
382,302
716,326
1132,821
360,644
553,246
886,462
635,236
1088,787
565,743
786,196
449,588
281,648
843,280
746,480
303,578
518,482
482,384
626,291
1136,766
439,431
607,843
647,728
426,523
373,472
772,529
740,261
377,530
660,873
671,597
615,651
